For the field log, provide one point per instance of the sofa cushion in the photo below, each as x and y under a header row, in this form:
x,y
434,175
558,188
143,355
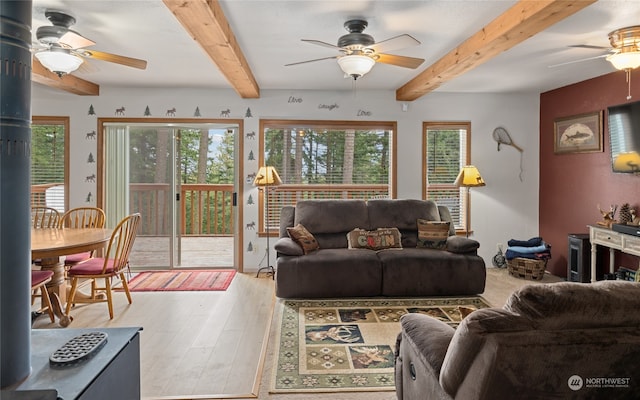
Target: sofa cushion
x,y
462,245
329,273
573,305
429,337
331,216
445,215
381,238
288,247
432,234
470,338
401,214
420,272
303,237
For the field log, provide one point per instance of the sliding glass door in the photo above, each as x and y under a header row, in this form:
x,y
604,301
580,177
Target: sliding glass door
x,y
180,178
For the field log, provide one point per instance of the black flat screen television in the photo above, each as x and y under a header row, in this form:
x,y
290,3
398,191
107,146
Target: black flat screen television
x,y
624,137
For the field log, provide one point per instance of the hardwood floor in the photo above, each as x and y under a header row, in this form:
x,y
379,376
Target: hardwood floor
x,y
219,345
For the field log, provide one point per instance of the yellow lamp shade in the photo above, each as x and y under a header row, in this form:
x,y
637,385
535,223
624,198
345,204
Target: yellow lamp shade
x,y
267,176
469,176
627,162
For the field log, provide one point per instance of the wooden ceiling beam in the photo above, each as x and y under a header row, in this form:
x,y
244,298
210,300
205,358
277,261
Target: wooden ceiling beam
x,y
69,83
207,25
520,22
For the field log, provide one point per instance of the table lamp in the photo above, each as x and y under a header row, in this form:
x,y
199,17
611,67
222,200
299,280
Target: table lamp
x,y
266,177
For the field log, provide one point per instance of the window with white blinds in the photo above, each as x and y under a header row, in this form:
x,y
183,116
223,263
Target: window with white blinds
x,y
326,160
49,161
445,151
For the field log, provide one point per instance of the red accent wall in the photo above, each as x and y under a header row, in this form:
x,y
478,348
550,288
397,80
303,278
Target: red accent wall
x,y
572,185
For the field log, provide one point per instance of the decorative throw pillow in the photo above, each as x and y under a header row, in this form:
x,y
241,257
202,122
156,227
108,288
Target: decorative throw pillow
x,y
432,234
380,239
303,237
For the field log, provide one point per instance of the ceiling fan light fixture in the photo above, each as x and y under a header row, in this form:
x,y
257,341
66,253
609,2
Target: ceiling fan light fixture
x,y
59,61
625,60
356,65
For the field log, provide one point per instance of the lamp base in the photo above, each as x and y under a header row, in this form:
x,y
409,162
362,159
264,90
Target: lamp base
x,y
271,271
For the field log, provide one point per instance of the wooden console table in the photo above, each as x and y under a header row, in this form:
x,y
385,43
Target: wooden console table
x,y
599,235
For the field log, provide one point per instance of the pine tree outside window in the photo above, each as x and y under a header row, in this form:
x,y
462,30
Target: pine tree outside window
x,y
49,162
445,150
326,160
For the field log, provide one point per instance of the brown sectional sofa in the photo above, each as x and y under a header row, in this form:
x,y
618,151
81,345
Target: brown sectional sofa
x,y
335,271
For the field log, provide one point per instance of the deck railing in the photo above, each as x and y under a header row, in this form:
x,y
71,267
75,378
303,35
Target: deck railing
x,y
206,209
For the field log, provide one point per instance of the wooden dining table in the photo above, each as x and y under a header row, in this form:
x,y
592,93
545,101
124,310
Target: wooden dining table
x,y
50,245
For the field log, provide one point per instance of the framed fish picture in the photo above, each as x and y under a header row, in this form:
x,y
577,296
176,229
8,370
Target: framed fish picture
x,y
578,134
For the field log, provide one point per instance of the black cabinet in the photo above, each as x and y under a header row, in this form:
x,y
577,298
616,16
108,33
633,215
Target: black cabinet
x,y
579,258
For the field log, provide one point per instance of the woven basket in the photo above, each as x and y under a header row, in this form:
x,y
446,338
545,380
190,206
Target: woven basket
x,y
526,268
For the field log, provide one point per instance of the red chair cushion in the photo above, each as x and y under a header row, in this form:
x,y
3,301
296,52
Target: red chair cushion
x,y
37,277
92,266
76,258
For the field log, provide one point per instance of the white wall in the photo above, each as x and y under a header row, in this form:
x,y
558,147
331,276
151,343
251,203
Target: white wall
x,y
506,208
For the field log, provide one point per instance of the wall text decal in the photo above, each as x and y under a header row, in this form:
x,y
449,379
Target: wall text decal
x,y
329,107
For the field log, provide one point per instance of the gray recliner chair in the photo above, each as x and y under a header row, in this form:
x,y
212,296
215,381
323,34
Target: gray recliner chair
x,y
554,341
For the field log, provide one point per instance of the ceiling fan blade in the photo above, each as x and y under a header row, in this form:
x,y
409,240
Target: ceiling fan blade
x,y
308,61
114,58
395,43
74,40
577,61
400,61
321,43
589,46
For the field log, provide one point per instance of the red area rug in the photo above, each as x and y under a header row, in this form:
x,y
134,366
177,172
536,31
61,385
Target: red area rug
x,y
182,280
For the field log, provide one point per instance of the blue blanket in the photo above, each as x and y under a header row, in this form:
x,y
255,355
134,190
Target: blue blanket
x,y
533,242
523,249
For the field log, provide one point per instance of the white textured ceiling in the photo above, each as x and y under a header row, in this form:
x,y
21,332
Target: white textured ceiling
x,y
269,34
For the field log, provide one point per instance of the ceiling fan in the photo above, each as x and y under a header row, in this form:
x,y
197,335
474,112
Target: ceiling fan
x,y
624,52
358,51
61,50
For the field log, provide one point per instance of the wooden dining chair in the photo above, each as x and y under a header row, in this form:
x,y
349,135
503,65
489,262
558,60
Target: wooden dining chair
x,y
81,217
112,265
44,217
39,280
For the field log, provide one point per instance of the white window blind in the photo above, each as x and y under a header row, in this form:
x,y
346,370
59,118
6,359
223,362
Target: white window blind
x,y
48,162
326,160
445,152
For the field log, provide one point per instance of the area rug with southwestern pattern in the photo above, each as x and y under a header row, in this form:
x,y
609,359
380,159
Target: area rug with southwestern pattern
x,y
182,280
348,345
